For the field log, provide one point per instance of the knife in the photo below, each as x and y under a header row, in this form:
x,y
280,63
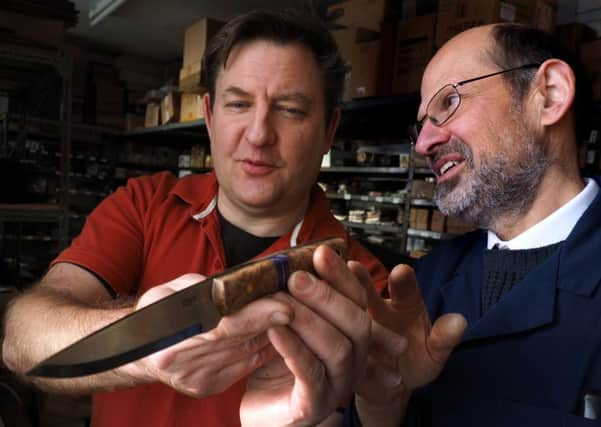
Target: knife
x,y
190,311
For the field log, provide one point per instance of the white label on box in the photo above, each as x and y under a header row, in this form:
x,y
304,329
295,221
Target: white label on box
x,y
183,161
325,160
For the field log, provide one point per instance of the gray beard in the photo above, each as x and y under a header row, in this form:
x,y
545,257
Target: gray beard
x,y
501,187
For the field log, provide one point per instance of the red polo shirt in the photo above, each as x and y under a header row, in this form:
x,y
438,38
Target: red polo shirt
x,y
153,230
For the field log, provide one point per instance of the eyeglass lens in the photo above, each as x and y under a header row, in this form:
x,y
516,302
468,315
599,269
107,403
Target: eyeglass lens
x,y
440,108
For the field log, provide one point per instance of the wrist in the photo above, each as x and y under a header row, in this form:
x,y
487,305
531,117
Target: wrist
x,y
381,414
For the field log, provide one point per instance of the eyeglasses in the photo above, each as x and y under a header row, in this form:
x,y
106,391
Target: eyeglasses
x,y
447,100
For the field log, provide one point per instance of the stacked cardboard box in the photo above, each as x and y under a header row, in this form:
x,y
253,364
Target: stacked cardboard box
x,y
361,49
365,41
105,100
455,16
419,218
591,57
457,226
191,107
413,49
367,14
36,23
574,35
170,105
196,39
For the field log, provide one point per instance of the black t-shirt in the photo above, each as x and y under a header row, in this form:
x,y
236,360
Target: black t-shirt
x,y
239,245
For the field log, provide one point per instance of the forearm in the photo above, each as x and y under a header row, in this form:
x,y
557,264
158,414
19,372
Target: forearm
x,y
386,415
42,322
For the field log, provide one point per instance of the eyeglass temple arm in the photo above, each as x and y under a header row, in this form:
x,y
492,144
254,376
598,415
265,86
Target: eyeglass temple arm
x,y
532,65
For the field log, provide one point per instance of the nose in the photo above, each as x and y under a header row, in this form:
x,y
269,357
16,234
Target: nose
x,y
260,129
430,138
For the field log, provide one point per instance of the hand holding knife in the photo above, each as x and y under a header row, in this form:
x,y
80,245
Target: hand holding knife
x,y
188,312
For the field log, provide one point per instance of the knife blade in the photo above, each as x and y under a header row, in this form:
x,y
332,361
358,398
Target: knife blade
x,y
190,311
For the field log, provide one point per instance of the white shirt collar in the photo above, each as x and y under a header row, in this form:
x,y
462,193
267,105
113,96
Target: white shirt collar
x,y
554,228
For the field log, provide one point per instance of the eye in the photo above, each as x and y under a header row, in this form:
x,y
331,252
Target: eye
x,y
291,111
450,101
237,105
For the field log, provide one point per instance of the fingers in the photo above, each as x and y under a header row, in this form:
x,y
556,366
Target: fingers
x,y
403,288
308,370
158,292
374,302
256,317
196,368
405,295
328,310
445,336
332,269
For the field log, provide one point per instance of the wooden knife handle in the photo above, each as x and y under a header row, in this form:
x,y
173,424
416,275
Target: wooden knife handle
x,y
252,280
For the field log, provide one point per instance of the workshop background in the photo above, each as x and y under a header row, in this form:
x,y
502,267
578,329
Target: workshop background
x,y
93,92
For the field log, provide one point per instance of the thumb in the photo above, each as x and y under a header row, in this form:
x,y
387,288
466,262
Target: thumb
x,y
445,335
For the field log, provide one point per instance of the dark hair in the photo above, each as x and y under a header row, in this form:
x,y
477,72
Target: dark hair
x,y
518,44
282,27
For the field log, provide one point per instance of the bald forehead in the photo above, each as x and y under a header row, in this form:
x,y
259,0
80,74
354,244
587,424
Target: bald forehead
x,y
464,56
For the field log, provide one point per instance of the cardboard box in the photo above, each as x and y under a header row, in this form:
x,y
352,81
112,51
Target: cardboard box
x,y
32,29
196,38
437,221
536,13
359,13
191,107
590,54
421,189
152,115
457,226
109,97
413,49
110,120
133,121
419,218
197,156
388,35
170,108
574,35
190,78
362,56
455,16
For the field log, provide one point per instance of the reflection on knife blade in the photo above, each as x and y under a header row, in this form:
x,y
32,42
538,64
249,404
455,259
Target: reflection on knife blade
x,y
193,310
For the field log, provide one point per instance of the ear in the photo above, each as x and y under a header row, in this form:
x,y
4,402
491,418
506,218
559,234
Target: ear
x,y
557,86
331,130
207,111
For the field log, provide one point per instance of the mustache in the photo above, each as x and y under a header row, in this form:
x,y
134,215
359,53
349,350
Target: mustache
x,y
452,147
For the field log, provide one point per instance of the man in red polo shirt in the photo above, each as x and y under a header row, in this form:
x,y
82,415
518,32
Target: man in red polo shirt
x,y
275,82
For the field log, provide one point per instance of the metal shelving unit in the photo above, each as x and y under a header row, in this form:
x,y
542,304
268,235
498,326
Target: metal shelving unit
x,y
21,69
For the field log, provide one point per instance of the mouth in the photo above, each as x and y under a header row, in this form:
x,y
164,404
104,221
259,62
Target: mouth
x,y
448,165
257,167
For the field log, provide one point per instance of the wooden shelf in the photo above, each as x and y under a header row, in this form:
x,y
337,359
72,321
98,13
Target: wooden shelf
x,y
30,212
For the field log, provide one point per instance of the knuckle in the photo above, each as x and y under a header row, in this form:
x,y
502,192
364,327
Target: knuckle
x,y
254,344
317,373
342,351
325,293
362,297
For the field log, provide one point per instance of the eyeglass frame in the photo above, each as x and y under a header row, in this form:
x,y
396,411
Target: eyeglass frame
x,y
416,128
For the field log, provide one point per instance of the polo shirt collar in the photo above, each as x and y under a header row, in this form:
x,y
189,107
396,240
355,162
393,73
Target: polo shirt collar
x,y
200,193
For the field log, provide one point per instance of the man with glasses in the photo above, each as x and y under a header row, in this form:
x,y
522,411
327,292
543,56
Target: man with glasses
x,y
516,338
